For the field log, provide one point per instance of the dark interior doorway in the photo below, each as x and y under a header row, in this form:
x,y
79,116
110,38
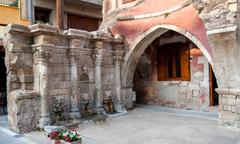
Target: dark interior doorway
x,y
3,81
214,101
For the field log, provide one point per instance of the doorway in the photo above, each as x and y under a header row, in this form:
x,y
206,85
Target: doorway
x,y
3,81
173,72
214,98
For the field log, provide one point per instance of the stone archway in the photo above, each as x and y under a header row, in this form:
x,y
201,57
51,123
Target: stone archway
x,y
137,48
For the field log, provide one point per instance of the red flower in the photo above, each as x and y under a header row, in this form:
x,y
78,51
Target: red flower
x,y
57,142
66,138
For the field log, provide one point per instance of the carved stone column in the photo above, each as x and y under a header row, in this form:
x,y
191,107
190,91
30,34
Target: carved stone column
x,y
98,75
74,97
118,86
42,58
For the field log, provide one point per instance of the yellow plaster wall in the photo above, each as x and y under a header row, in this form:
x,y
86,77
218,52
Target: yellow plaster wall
x,y
11,15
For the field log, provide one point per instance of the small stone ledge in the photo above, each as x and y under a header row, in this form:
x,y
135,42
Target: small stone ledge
x,y
44,46
228,91
77,33
21,94
222,30
20,48
16,28
43,28
97,35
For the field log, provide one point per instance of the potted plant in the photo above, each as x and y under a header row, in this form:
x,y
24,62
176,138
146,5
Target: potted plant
x,y
65,136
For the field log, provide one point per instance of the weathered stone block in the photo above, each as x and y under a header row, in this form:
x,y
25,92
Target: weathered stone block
x,y
231,101
194,86
24,111
224,100
196,93
233,7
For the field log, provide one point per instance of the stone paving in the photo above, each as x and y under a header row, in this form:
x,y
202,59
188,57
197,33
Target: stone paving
x,y
145,126
148,125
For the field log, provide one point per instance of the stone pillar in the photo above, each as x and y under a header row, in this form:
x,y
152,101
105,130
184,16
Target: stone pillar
x,y
74,97
118,83
98,75
59,13
42,58
229,107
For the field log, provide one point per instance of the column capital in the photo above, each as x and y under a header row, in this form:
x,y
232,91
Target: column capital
x,y
74,53
98,56
118,47
98,44
42,56
118,56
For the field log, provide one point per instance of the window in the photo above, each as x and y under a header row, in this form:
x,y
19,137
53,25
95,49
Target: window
x,y
42,15
173,62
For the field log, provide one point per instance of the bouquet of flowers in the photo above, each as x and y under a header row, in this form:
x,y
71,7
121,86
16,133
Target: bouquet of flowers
x,y
62,136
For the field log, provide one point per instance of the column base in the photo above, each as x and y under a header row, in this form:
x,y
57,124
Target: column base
x,y
100,110
75,116
119,108
44,121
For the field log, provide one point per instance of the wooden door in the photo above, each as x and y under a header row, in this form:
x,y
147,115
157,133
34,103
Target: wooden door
x,y
211,86
82,22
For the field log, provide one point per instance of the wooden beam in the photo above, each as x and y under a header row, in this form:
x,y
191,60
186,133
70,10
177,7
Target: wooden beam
x,y
59,13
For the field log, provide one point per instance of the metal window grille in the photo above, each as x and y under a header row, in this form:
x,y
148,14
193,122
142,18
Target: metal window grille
x,y
13,3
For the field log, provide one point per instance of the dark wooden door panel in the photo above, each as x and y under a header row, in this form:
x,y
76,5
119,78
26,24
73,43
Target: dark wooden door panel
x,y
83,23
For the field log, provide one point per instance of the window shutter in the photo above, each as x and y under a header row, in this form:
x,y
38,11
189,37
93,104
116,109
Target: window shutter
x,y
162,64
185,63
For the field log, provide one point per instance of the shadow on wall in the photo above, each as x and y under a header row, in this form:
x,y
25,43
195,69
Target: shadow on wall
x,y
3,80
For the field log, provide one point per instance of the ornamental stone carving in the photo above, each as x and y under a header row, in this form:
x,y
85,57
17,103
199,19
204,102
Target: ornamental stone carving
x,y
75,53
117,58
98,56
42,56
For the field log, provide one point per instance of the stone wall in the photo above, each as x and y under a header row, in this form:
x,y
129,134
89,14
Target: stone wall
x,y
229,108
193,94
66,75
